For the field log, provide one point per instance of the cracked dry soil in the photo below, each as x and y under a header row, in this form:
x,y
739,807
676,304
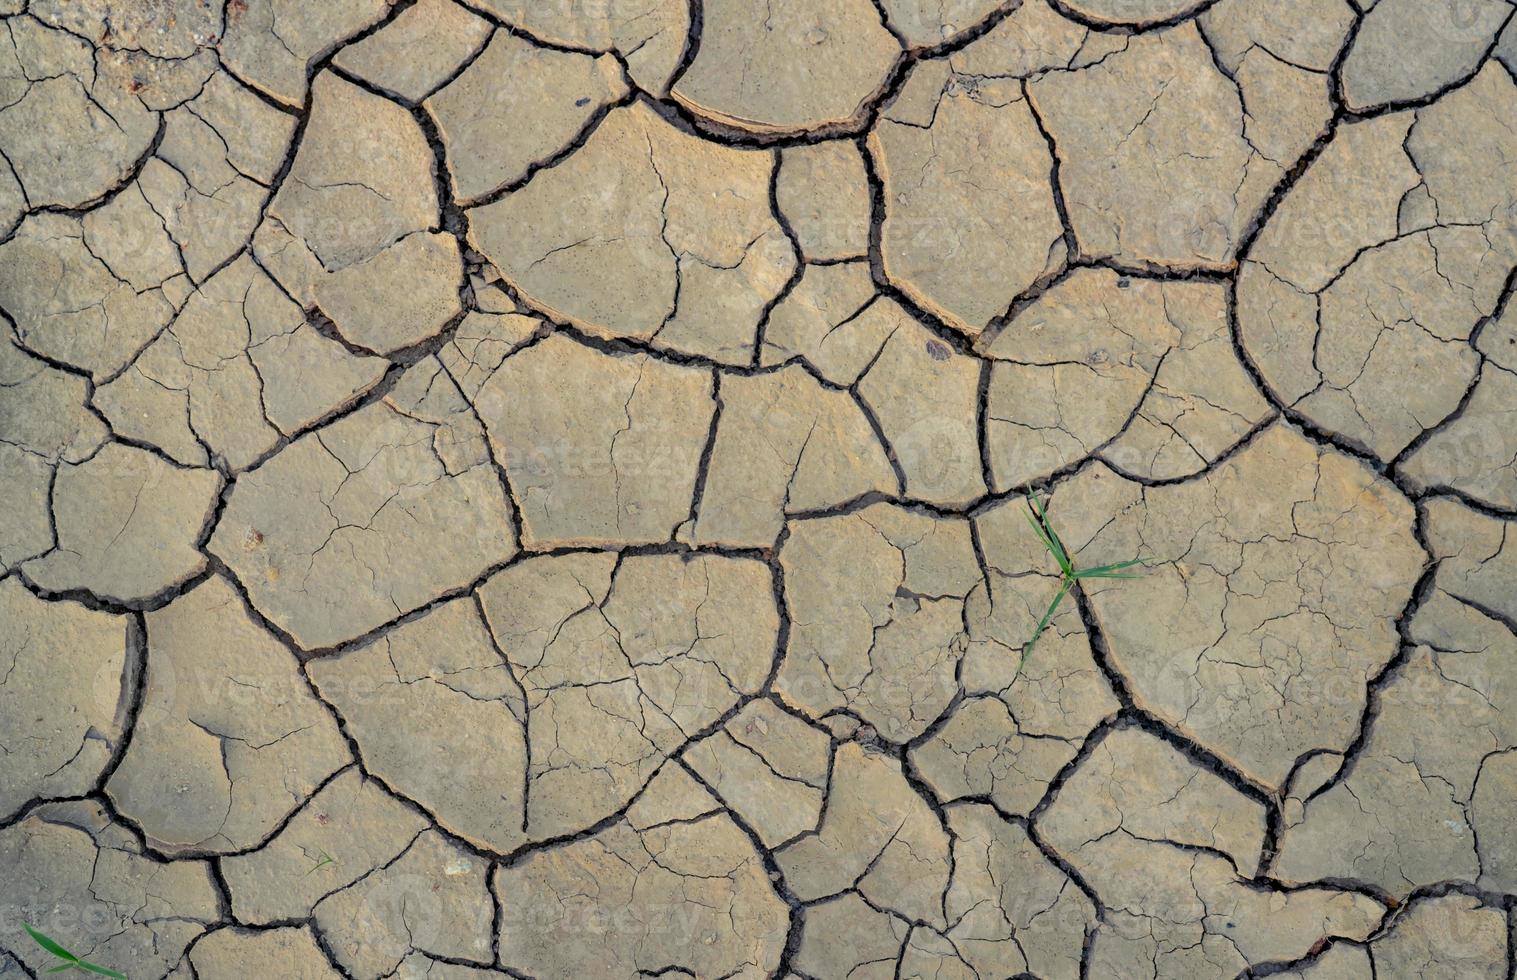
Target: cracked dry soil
x,y
533,488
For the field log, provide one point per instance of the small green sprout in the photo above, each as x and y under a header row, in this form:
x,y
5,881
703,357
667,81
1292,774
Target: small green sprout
x,y
70,961
321,862
1037,517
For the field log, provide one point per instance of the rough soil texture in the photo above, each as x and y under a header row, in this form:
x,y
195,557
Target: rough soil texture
x,y
536,488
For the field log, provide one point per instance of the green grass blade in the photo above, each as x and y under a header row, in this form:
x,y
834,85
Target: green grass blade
x,y
47,943
1113,567
62,966
100,970
1043,623
1050,536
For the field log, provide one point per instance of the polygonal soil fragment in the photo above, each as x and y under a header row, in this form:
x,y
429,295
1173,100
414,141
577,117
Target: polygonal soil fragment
x,y
601,449
1136,12
371,517
1141,371
958,252
927,22
1308,33
648,34
823,192
1443,938
878,836
1270,597
433,898
1476,452
670,887
924,396
1420,802
273,44
468,766
623,662
67,679
833,320
769,767
876,602
787,66
211,174
1359,299
1410,49
1010,909
784,444
44,421
1164,843
238,369
340,836
229,739
290,953
344,232
167,29
74,125
418,51
1157,163
128,524
515,107
85,882
844,938
66,302
646,232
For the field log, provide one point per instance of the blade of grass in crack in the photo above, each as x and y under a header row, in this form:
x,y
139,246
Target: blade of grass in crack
x,y
1051,539
1053,607
100,970
1108,571
46,942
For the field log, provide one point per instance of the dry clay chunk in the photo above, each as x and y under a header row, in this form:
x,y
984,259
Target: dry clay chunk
x,y
784,444
621,670
928,22
878,836
352,229
467,767
417,51
601,449
212,172
62,695
649,34
958,252
433,898
67,304
238,368
1141,371
85,882
646,232
272,44
787,66
1270,598
364,520
352,821
1164,843
670,884
876,600
229,740
1156,165
74,124
1364,328
290,953
517,106
1410,49
128,525
45,421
